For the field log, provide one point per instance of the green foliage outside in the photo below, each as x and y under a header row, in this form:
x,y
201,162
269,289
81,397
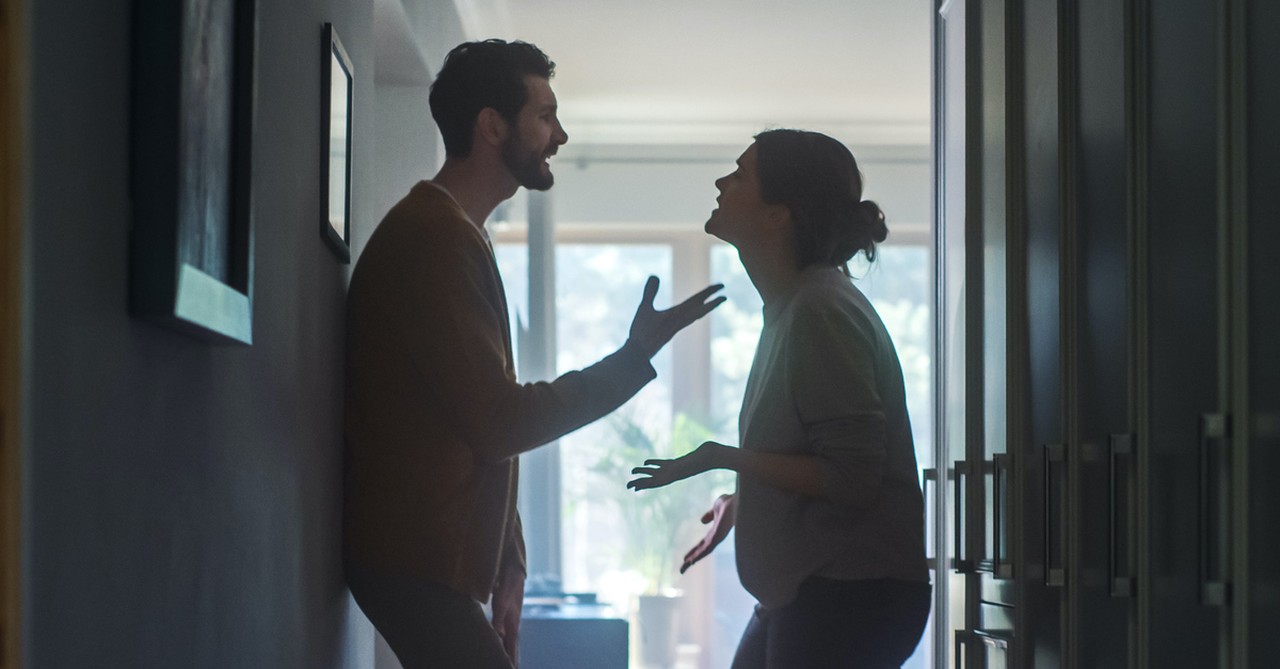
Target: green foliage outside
x,y
662,524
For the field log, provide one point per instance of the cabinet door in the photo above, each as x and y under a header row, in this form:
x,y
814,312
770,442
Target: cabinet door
x,y
1262,229
1000,329
1181,517
955,557
993,328
1102,453
1039,573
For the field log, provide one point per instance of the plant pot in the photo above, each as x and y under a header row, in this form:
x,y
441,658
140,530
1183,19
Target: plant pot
x,y
658,631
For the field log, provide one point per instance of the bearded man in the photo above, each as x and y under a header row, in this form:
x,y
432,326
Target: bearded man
x,y
435,419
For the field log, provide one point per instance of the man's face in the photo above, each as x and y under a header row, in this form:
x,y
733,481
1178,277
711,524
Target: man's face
x,y
536,136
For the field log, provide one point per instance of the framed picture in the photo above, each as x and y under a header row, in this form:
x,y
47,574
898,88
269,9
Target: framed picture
x,y
335,179
191,243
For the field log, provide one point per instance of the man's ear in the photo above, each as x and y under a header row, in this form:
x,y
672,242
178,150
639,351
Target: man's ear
x,y
491,128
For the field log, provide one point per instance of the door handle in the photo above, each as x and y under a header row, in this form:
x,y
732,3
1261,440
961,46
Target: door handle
x,y
1054,573
1000,566
961,563
1215,589
1121,447
930,474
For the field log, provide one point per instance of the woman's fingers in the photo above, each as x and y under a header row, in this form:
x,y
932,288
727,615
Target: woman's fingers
x,y
700,551
646,483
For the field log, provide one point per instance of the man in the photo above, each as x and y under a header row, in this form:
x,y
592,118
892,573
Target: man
x,y
434,416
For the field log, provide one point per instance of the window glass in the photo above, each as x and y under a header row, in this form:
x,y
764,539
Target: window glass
x,y
513,265
612,539
618,543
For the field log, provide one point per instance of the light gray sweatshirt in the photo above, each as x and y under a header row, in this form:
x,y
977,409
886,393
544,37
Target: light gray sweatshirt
x,y
826,381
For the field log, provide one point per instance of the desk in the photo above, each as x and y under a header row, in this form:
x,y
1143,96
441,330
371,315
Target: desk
x,y
572,636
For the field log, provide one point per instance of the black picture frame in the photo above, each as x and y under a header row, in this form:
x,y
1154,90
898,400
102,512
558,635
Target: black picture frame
x,y
192,117
335,145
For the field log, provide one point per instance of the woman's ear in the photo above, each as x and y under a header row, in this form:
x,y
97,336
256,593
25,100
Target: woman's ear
x,y
777,216
491,127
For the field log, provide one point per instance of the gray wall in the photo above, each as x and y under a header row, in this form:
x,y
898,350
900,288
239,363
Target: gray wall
x,y
182,501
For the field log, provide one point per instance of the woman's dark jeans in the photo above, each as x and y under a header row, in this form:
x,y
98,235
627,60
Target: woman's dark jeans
x,y
869,624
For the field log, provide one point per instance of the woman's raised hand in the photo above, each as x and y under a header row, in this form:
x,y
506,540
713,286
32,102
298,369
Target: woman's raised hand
x,y
656,473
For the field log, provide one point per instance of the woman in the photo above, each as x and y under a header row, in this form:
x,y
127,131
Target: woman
x,y
829,513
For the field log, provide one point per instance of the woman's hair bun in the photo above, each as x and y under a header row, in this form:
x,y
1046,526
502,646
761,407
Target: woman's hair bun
x,y
817,178
873,220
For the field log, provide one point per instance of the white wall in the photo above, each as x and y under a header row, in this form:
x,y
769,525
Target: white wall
x,y
676,184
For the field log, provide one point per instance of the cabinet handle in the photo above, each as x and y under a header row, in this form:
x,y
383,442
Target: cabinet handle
x,y
961,564
1121,446
1215,590
930,475
1054,576
962,645
1000,567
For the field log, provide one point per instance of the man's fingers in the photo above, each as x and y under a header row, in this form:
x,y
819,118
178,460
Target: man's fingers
x,y
684,315
508,629
512,642
708,516
697,302
650,291
706,308
702,295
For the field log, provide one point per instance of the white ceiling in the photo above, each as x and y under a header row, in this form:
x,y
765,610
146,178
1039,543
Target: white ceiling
x,y
711,71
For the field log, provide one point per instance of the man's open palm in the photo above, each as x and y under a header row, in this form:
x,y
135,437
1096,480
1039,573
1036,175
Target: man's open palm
x,y
652,329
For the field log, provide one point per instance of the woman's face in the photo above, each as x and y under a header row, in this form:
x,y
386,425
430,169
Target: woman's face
x,y
740,209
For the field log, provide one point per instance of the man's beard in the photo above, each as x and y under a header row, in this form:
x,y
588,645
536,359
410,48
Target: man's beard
x,y
526,166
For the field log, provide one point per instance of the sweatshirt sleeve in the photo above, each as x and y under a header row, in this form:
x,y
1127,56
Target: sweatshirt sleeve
x,y
831,372
451,318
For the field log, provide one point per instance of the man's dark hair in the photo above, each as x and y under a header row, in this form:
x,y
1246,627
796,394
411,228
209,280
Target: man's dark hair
x,y
476,75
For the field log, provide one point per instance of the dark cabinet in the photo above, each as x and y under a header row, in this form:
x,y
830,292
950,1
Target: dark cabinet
x,y
1109,228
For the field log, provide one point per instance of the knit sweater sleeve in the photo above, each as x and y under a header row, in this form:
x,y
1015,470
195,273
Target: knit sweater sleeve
x,y
451,317
832,376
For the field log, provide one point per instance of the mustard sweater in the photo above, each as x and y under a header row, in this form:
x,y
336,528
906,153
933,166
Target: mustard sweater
x,y
434,416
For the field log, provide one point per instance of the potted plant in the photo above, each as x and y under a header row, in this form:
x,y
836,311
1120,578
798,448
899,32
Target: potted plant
x,y
656,522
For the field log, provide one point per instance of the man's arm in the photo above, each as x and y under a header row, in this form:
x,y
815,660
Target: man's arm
x,y
833,387
454,331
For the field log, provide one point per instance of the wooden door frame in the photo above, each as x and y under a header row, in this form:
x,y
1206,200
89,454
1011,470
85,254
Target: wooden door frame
x,y
12,153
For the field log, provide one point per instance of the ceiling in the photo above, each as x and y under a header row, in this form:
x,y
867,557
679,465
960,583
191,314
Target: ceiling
x,y
713,71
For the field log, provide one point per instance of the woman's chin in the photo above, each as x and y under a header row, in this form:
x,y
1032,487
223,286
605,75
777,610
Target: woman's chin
x,y
712,226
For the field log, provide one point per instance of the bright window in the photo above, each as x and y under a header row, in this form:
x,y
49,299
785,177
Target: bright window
x,y
617,543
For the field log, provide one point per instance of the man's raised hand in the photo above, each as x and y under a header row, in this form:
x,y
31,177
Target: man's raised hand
x,y
652,329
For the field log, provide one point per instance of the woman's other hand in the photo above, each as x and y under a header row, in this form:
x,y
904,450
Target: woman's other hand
x,y
723,514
